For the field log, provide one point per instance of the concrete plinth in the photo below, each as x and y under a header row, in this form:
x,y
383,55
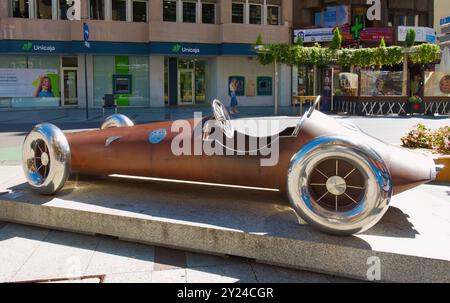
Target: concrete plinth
x,y
412,242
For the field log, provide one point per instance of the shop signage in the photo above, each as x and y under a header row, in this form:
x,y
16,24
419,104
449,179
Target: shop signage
x,y
357,27
38,83
30,46
335,16
86,35
423,34
374,11
369,34
73,10
445,21
314,35
180,49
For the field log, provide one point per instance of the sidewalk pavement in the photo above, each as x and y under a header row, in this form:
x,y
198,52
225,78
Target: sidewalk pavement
x,y
14,125
74,116
35,254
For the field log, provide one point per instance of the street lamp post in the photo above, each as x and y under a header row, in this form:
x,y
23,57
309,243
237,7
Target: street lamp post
x,y
276,88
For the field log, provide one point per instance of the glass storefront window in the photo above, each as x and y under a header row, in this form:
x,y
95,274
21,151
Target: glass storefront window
x,y
189,12
13,61
139,11
208,13
200,82
305,81
347,86
381,83
237,11
20,8
38,81
166,81
104,69
62,9
170,11
136,68
97,9
317,18
44,9
255,11
273,15
139,71
119,10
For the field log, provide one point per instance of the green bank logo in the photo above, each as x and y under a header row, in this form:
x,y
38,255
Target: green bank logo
x,y
176,48
27,46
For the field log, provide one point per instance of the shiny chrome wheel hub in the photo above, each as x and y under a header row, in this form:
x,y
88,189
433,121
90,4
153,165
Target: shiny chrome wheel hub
x,y
45,159
336,185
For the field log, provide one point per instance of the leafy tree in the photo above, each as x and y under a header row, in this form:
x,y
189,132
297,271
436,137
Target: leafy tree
x,y
410,38
259,40
299,41
336,43
382,42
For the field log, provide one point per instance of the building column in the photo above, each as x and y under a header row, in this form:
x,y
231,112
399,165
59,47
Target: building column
x,y
156,79
224,11
108,10
179,11
130,11
155,11
5,9
285,85
81,81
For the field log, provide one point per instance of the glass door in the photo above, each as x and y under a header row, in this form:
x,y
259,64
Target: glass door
x,y
69,92
186,88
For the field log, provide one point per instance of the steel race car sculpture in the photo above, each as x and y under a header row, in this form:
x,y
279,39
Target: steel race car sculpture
x,y
336,177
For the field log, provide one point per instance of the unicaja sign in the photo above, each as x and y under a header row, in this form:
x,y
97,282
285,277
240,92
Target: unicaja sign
x,y
178,48
29,46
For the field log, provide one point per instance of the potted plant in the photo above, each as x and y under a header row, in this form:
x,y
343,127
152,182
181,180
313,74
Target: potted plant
x,y
416,104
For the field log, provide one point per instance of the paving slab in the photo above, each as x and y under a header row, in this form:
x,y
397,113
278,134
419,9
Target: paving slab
x,y
272,274
60,255
240,273
17,244
169,276
133,277
112,258
410,244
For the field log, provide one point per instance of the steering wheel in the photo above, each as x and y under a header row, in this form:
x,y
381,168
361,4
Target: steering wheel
x,y
223,118
308,113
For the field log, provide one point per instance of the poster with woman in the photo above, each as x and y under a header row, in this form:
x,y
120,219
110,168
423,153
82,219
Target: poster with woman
x,y
31,83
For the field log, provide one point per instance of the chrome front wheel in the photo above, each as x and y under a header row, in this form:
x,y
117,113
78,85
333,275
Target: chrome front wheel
x,y
46,158
339,186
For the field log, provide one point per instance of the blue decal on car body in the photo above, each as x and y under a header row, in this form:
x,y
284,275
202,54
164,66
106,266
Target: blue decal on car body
x,y
157,136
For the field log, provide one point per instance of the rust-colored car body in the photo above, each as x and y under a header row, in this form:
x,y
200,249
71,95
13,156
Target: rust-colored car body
x,y
336,177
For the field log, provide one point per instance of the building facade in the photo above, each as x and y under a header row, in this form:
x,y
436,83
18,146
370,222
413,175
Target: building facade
x,y
148,53
362,23
393,17
442,22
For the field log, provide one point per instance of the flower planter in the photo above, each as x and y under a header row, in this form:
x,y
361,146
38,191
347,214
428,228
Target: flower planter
x,y
416,108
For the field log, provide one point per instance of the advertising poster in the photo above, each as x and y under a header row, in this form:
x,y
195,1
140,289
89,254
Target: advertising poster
x,y
437,83
381,83
29,83
423,34
325,104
